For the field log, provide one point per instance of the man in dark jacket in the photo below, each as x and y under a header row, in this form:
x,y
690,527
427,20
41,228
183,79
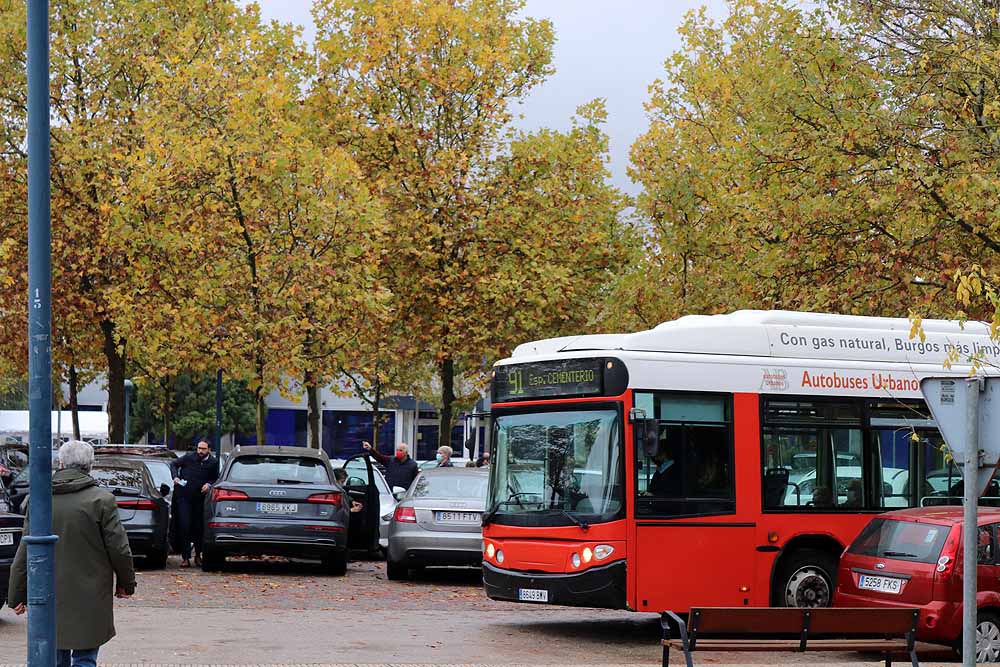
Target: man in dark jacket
x,y
194,473
400,470
92,560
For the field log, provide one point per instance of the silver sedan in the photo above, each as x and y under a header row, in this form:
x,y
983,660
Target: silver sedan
x,y
438,521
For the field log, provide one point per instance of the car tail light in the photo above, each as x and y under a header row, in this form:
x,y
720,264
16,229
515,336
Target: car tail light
x,y
949,554
326,498
228,494
405,515
137,504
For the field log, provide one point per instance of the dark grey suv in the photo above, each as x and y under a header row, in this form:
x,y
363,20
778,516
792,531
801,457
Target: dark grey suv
x,y
282,501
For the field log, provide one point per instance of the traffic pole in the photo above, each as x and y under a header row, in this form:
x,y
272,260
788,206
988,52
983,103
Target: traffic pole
x,y
40,542
970,532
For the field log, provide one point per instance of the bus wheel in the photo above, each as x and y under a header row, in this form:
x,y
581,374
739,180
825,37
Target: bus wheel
x,y
807,579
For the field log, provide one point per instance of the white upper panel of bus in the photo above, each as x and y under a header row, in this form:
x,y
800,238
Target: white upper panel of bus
x,y
754,350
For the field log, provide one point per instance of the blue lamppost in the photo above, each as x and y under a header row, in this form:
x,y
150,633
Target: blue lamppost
x,y
40,542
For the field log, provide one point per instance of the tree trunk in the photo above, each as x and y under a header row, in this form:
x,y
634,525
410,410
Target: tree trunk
x,y
446,371
261,413
73,403
116,384
376,403
166,411
314,418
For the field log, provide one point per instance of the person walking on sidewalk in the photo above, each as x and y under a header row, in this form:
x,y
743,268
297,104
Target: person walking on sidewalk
x,y
194,473
92,560
400,470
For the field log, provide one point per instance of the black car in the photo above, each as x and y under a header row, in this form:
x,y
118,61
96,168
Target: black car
x,y
16,491
284,501
13,459
11,526
142,507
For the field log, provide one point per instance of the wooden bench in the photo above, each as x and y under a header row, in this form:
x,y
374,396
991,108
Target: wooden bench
x,y
755,629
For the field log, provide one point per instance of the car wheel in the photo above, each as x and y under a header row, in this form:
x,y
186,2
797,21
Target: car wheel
x,y
336,563
807,579
396,571
987,637
156,560
212,561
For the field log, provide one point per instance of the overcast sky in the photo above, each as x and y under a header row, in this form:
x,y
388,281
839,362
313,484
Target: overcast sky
x,y
604,48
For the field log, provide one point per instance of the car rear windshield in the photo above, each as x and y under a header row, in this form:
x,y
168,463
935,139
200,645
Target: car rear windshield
x,y
450,486
901,540
118,478
278,470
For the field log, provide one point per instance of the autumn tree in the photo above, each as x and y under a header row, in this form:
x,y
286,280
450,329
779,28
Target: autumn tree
x,y
498,237
837,158
247,238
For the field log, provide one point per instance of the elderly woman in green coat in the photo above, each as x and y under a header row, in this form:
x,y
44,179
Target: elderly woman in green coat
x,y
93,560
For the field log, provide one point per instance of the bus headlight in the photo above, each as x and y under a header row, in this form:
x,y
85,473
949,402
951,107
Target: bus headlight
x,y
490,550
575,560
602,551
500,555
587,554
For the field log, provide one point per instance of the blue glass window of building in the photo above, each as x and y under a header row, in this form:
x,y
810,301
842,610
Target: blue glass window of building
x,y
344,431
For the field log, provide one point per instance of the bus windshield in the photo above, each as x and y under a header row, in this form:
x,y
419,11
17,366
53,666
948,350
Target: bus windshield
x,y
557,468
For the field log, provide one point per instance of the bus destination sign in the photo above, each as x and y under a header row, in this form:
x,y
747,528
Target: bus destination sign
x,y
547,379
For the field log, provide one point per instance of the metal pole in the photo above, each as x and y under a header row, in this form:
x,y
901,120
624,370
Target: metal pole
x,y
217,445
40,542
128,406
970,532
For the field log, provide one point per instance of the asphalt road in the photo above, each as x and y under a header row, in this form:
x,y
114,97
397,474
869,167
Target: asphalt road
x,y
280,612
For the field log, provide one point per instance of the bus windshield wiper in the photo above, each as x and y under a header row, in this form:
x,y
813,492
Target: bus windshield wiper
x,y
584,526
899,554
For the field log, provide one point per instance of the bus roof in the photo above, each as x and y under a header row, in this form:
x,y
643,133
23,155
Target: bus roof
x,y
790,335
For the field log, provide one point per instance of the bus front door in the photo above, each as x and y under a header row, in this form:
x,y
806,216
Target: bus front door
x,y
694,564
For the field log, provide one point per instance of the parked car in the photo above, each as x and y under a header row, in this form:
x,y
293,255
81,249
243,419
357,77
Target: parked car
x,y
357,471
13,459
142,506
11,526
456,461
438,521
284,501
913,558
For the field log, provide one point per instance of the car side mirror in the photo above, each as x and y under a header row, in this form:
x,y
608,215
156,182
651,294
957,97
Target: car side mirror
x,y
164,490
398,492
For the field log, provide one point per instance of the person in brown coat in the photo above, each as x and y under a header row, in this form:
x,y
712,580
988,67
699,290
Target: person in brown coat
x,y
92,560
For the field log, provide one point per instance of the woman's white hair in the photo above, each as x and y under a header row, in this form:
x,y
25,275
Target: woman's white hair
x,y
446,450
76,454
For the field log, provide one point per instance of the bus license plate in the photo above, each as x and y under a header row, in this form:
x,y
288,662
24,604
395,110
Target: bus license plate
x,y
532,595
6,539
880,584
277,508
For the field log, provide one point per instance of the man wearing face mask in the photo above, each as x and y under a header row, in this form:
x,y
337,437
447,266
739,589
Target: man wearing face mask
x,y
400,470
194,473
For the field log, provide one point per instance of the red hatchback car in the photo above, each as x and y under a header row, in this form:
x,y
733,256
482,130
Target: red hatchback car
x,y
913,558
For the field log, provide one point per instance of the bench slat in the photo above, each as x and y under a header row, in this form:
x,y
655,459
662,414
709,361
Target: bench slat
x,y
847,620
862,645
763,620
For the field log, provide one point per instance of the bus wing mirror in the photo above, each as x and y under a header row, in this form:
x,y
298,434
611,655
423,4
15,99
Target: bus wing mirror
x,y
647,432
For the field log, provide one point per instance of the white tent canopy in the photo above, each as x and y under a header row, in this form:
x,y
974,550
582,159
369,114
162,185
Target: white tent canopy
x,y
92,424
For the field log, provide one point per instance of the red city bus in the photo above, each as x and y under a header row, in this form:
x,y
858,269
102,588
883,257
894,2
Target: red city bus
x,y
720,460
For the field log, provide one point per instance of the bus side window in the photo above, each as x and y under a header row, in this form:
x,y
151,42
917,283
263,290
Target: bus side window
x,y
689,471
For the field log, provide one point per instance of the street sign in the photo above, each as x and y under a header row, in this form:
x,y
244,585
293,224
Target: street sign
x,y
967,412
949,401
